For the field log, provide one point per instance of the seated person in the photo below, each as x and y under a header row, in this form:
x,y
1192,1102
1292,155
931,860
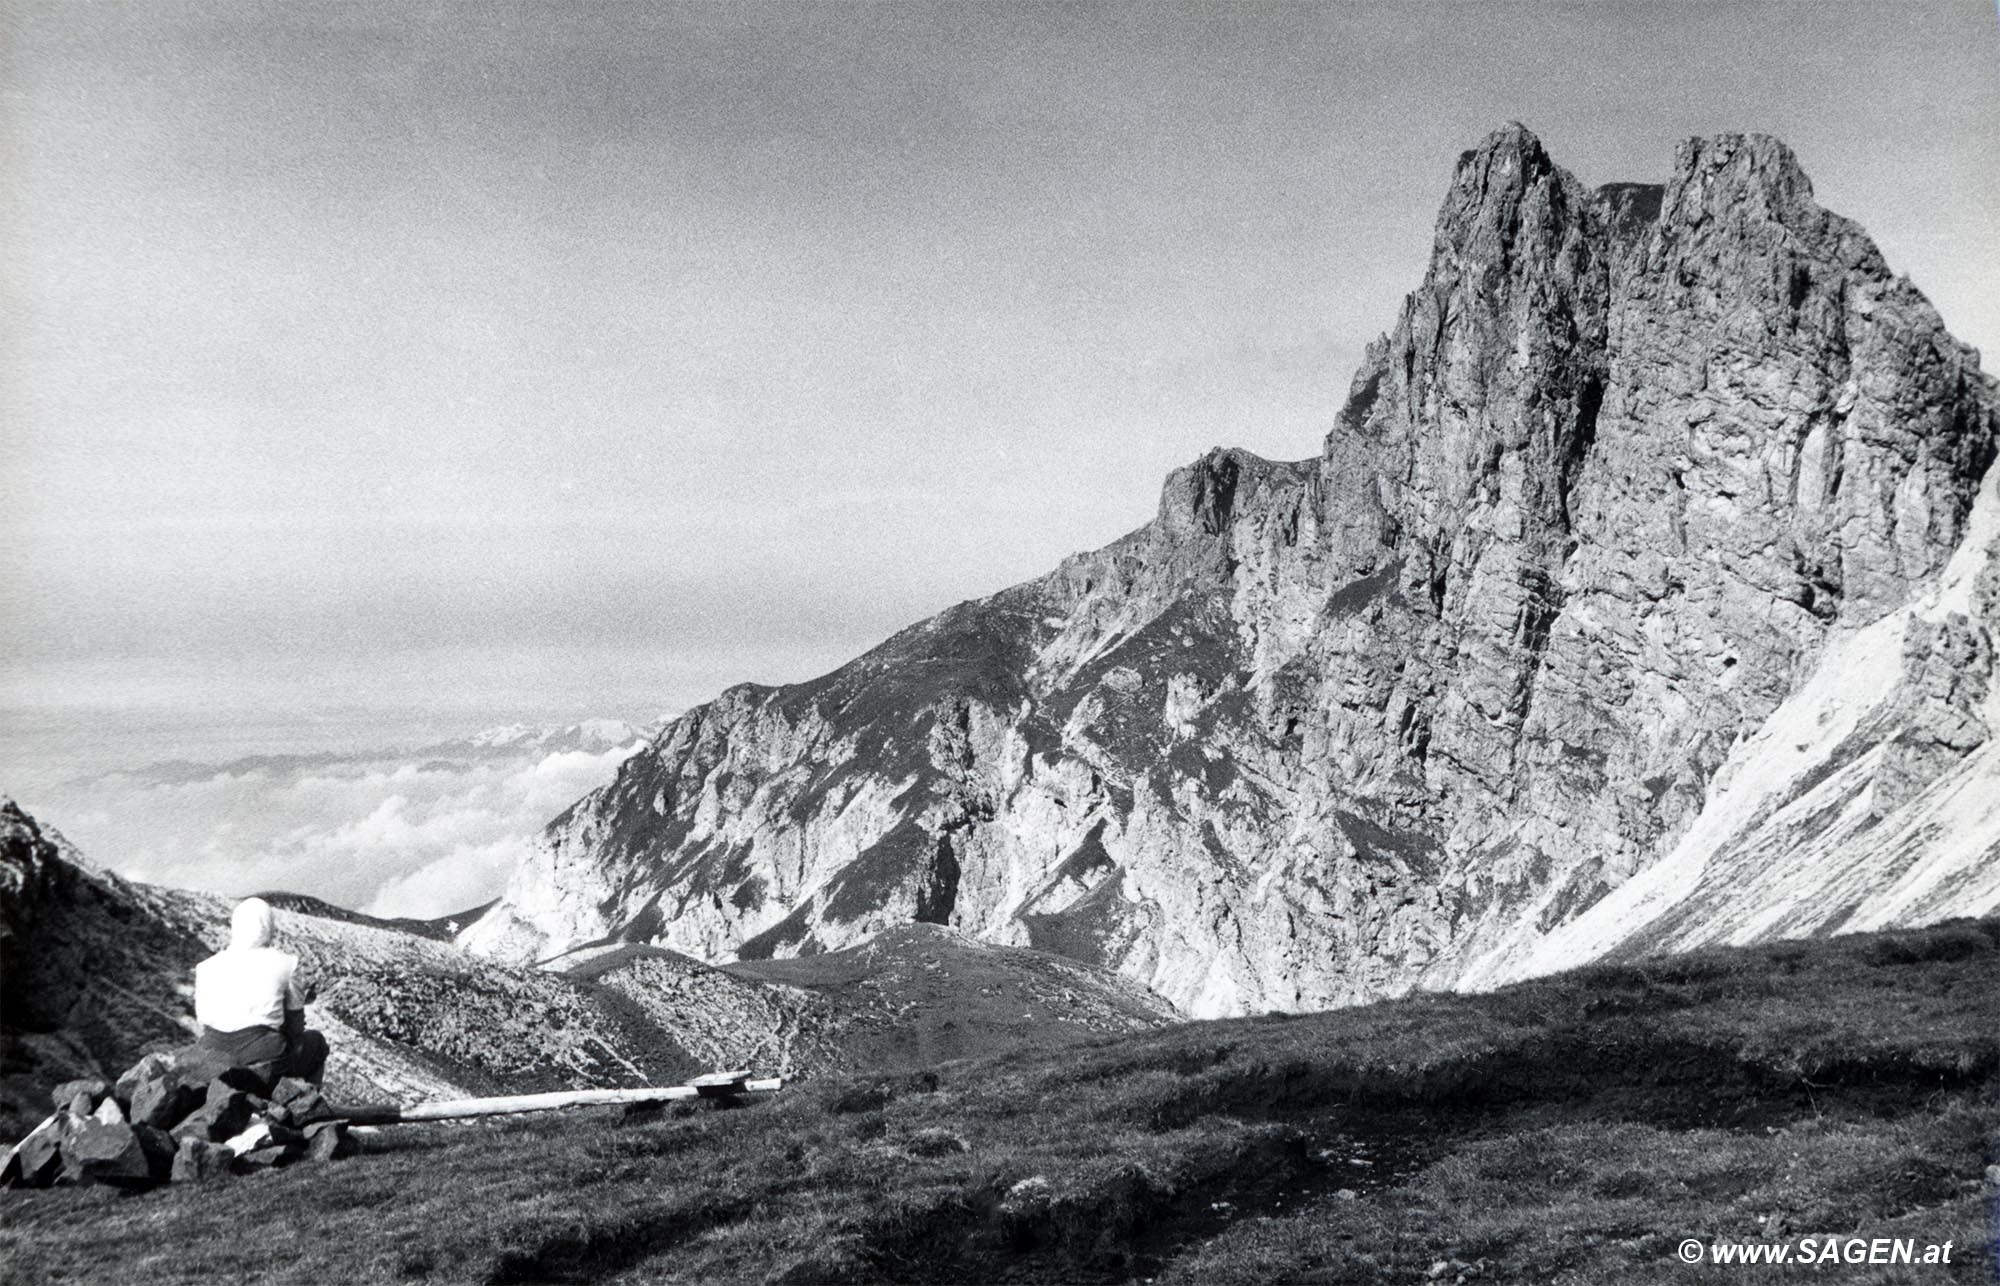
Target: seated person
x,y
251,1007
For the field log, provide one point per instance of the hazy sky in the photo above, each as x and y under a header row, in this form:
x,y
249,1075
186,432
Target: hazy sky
x,y
586,357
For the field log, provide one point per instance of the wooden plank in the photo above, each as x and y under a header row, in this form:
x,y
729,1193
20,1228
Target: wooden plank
x,y
720,1078
451,1109
715,1085
721,1084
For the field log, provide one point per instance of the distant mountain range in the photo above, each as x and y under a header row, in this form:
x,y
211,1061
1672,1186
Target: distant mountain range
x,y
591,736
1642,596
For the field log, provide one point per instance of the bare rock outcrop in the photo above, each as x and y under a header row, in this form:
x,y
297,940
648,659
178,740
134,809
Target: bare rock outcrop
x,y
1635,477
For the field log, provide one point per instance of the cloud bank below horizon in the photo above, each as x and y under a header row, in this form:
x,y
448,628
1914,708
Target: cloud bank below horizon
x,y
415,832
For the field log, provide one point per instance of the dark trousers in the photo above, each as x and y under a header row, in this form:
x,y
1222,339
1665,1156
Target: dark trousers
x,y
267,1052
305,1057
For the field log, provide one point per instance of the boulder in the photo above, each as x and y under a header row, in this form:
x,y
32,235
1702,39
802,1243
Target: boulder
x,y
163,1102
198,1161
35,1161
300,1103
223,1115
301,1112
160,1148
266,1143
68,1093
100,1153
329,1141
260,1159
108,1112
156,1066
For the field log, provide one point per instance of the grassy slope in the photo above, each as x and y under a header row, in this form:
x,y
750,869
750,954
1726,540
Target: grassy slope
x,y
920,994
1568,1130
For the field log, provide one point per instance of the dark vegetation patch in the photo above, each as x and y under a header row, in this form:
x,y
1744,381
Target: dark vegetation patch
x,y
646,923
1190,762
1414,849
1086,859
917,995
1362,591
880,870
1087,929
790,932
749,895
1569,1130
1583,889
890,697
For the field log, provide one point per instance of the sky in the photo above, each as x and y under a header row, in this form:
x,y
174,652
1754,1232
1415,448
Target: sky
x,y
381,366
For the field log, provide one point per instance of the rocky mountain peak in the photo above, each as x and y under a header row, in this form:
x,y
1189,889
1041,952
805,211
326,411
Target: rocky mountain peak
x,y
1747,176
1751,195
1510,210
1200,498
1555,606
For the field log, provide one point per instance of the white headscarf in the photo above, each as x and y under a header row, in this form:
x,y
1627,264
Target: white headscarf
x,y
251,924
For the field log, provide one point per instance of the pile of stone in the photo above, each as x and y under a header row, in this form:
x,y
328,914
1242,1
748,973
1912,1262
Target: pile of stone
x,y
163,1122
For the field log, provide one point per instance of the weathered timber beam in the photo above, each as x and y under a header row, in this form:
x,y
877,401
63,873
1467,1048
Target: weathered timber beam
x,y
721,1085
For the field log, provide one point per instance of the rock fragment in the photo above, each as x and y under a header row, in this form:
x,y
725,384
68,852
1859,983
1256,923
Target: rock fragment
x,y
100,1153
329,1141
223,1115
299,1103
256,1159
157,1096
67,1094
198,1161
35,1161
155,1066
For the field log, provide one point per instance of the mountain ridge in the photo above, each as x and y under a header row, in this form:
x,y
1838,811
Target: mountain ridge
x,y
1630,462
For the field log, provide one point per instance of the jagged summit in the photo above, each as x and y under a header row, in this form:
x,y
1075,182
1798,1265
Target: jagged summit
x,y
1201,496
1512,143
1740,166
1656,535
1491,181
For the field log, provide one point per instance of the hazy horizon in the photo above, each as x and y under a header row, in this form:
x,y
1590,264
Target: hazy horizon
x,y
374,369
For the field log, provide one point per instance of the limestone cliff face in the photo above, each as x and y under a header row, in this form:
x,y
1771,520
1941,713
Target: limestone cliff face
x,y
1636,470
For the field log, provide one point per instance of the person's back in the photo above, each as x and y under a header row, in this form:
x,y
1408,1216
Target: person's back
x,y
250,1005
241,987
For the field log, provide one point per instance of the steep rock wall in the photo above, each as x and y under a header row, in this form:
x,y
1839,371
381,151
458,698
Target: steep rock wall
x,y
1630,467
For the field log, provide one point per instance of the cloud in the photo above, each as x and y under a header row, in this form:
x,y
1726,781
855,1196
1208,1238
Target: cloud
x,y
462,879
422,832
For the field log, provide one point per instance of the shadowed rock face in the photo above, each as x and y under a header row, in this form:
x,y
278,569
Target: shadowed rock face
x,y
1622,575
